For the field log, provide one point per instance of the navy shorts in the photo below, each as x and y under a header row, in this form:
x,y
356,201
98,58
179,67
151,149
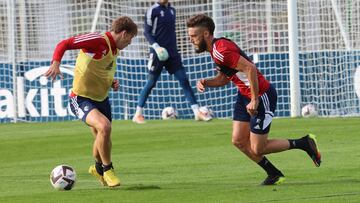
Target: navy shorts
x,y
172,64
81,106
259,124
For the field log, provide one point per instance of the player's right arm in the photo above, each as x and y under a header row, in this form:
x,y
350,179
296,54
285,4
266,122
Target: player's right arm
x,y
148,26
219,80
89,42
250,70
161,52
54,71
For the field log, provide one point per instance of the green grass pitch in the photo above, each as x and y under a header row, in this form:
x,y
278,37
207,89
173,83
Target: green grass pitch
x,y
179,161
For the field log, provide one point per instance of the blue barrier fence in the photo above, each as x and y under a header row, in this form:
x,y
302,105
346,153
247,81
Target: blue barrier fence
x,y
326,79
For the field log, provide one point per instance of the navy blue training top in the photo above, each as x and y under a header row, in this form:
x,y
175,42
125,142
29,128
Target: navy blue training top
x,y
159,27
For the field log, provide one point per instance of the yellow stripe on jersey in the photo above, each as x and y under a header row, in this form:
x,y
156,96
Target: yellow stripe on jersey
x,y
93,77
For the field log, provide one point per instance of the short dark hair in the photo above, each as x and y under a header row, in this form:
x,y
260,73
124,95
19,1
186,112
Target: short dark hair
x,y
124,23
201,20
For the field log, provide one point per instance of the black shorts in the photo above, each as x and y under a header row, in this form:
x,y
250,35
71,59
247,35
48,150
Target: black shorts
x,y
81,106
259,124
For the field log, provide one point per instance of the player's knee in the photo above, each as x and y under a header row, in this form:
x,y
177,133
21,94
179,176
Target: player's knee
x,y
104,128
258,151
152,78
240,144
150,85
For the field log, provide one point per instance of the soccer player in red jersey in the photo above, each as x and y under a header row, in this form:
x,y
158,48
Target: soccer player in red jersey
x,y
93,77
256,100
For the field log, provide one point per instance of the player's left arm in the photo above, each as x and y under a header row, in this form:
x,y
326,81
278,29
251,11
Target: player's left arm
x,y
115,85
245,66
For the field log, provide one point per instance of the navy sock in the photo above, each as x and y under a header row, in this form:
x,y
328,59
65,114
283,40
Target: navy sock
x,y
298,143
268,167
99,168
108,167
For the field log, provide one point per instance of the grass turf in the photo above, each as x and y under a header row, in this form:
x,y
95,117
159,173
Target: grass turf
x,y
179,161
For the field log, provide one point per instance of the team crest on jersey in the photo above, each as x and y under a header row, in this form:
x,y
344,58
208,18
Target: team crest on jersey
x,y
162,13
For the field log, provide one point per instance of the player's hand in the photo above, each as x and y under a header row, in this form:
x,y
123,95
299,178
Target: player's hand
x,y
161,52
200,85
252,107
115,85
54,71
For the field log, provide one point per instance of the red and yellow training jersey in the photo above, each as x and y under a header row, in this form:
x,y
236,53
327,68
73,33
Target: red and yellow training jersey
x,y
95,65
226,54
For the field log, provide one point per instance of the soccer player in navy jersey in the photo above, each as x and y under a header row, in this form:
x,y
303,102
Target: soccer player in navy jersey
x,y
256,101
159,31
93,78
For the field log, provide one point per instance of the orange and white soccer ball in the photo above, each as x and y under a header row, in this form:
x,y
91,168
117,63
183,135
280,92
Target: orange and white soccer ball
x,y
63,177
309,110
169,113
206,111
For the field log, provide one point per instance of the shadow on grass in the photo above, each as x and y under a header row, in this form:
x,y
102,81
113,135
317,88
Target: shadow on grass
x,y
143,187
324,182
132,188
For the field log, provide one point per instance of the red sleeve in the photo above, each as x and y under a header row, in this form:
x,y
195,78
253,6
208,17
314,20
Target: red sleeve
x,y
91,43
228,52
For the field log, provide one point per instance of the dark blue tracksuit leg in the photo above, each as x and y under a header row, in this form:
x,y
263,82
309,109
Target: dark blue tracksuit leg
x,y
180,75
150,84
174,66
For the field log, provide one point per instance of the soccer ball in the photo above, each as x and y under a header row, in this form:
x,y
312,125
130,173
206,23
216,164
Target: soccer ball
x,y
206,111
168,113
63,177
309,110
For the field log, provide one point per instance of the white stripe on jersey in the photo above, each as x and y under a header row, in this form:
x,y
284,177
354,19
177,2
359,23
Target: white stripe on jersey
x,y
154,26
243,77
217,54
86,37
149,14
